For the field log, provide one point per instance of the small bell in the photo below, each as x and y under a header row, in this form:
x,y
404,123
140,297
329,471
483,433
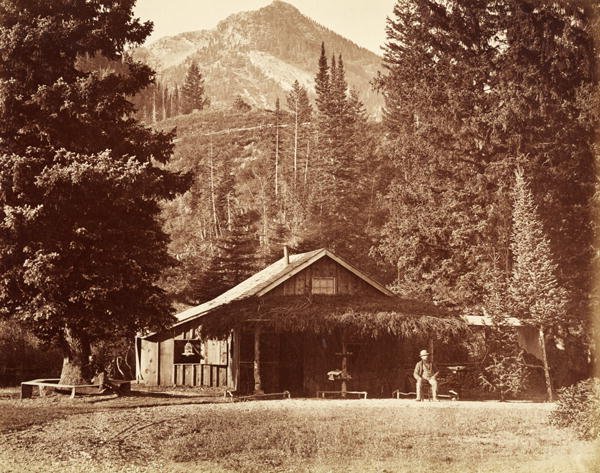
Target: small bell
x,y
188,350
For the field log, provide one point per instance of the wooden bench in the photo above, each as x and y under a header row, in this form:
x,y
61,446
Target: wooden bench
x,y
230,395
360,394
42,384
452,395
119,386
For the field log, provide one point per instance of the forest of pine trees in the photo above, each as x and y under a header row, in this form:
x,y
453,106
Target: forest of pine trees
x,y
159,101
307,181
478,191
423,201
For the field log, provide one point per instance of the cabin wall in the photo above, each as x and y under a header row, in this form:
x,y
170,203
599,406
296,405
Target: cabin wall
x,y
161,362
346,282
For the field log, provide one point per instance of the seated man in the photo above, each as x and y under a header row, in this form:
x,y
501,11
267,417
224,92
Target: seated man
x,y
425,370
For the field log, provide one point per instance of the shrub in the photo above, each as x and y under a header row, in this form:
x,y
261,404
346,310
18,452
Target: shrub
x,y
578,408
505,374
23,356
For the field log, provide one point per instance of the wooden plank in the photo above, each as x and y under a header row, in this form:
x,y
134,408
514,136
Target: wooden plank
x,y
205,375
166,363
199,375
235,361
189,375
158,363
224,351
148,362
222,376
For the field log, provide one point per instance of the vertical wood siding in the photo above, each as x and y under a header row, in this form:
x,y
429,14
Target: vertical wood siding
x,y
346,281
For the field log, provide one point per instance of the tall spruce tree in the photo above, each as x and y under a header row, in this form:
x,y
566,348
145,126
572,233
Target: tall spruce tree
x,y
322,81
470,85
192,91
535,294
299,104
81,247
337,178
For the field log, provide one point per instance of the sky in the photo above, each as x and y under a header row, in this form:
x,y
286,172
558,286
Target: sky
x,y
362,21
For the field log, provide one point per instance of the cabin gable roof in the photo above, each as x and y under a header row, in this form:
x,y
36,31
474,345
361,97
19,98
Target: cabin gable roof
x,y
268,279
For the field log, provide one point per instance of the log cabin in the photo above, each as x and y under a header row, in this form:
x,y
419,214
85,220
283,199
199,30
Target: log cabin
x,y
306,323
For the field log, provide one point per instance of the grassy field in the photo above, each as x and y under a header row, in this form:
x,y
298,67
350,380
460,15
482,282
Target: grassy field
x,y
151,434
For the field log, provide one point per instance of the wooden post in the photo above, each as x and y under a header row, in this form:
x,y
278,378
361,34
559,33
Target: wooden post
x,y
257,382
546,366
344,365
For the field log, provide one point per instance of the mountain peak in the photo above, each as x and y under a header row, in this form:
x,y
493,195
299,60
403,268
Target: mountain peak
x,y
259,54
280,5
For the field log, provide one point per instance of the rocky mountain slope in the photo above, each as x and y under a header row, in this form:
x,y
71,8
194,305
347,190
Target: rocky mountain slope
x,y
259,54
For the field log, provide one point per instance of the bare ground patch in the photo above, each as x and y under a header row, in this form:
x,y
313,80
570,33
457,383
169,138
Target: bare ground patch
x,y
301,435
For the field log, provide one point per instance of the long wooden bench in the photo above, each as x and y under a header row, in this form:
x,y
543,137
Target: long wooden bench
x,y
230,395
452,395
42,384
342,394
118,386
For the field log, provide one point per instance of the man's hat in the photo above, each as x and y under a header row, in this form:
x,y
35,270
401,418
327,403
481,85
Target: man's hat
x,y
424,353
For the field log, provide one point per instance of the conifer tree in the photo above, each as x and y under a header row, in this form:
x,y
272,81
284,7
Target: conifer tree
x,y
235,259
322,81
175,101
192,91
535,294
276,171
469,86
299,104
81,247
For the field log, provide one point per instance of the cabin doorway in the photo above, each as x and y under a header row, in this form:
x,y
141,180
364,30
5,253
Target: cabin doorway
x,y
291,368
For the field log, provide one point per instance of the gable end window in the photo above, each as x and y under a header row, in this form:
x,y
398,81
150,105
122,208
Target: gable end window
x,y
323,286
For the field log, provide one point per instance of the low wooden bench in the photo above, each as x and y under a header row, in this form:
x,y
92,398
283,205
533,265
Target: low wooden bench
x,y
360,394
120,386
452,395
230,395
42,384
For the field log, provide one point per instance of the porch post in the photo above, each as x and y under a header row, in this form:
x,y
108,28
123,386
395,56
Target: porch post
x,y
344,365
257,382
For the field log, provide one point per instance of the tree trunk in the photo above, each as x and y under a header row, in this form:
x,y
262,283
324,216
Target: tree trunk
x,y
306,164
546,366
277,158
217,230
296,146
76,367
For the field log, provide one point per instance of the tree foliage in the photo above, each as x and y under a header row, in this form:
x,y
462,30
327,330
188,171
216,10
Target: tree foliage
x,y
81,246
473,89
536,297
192,90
